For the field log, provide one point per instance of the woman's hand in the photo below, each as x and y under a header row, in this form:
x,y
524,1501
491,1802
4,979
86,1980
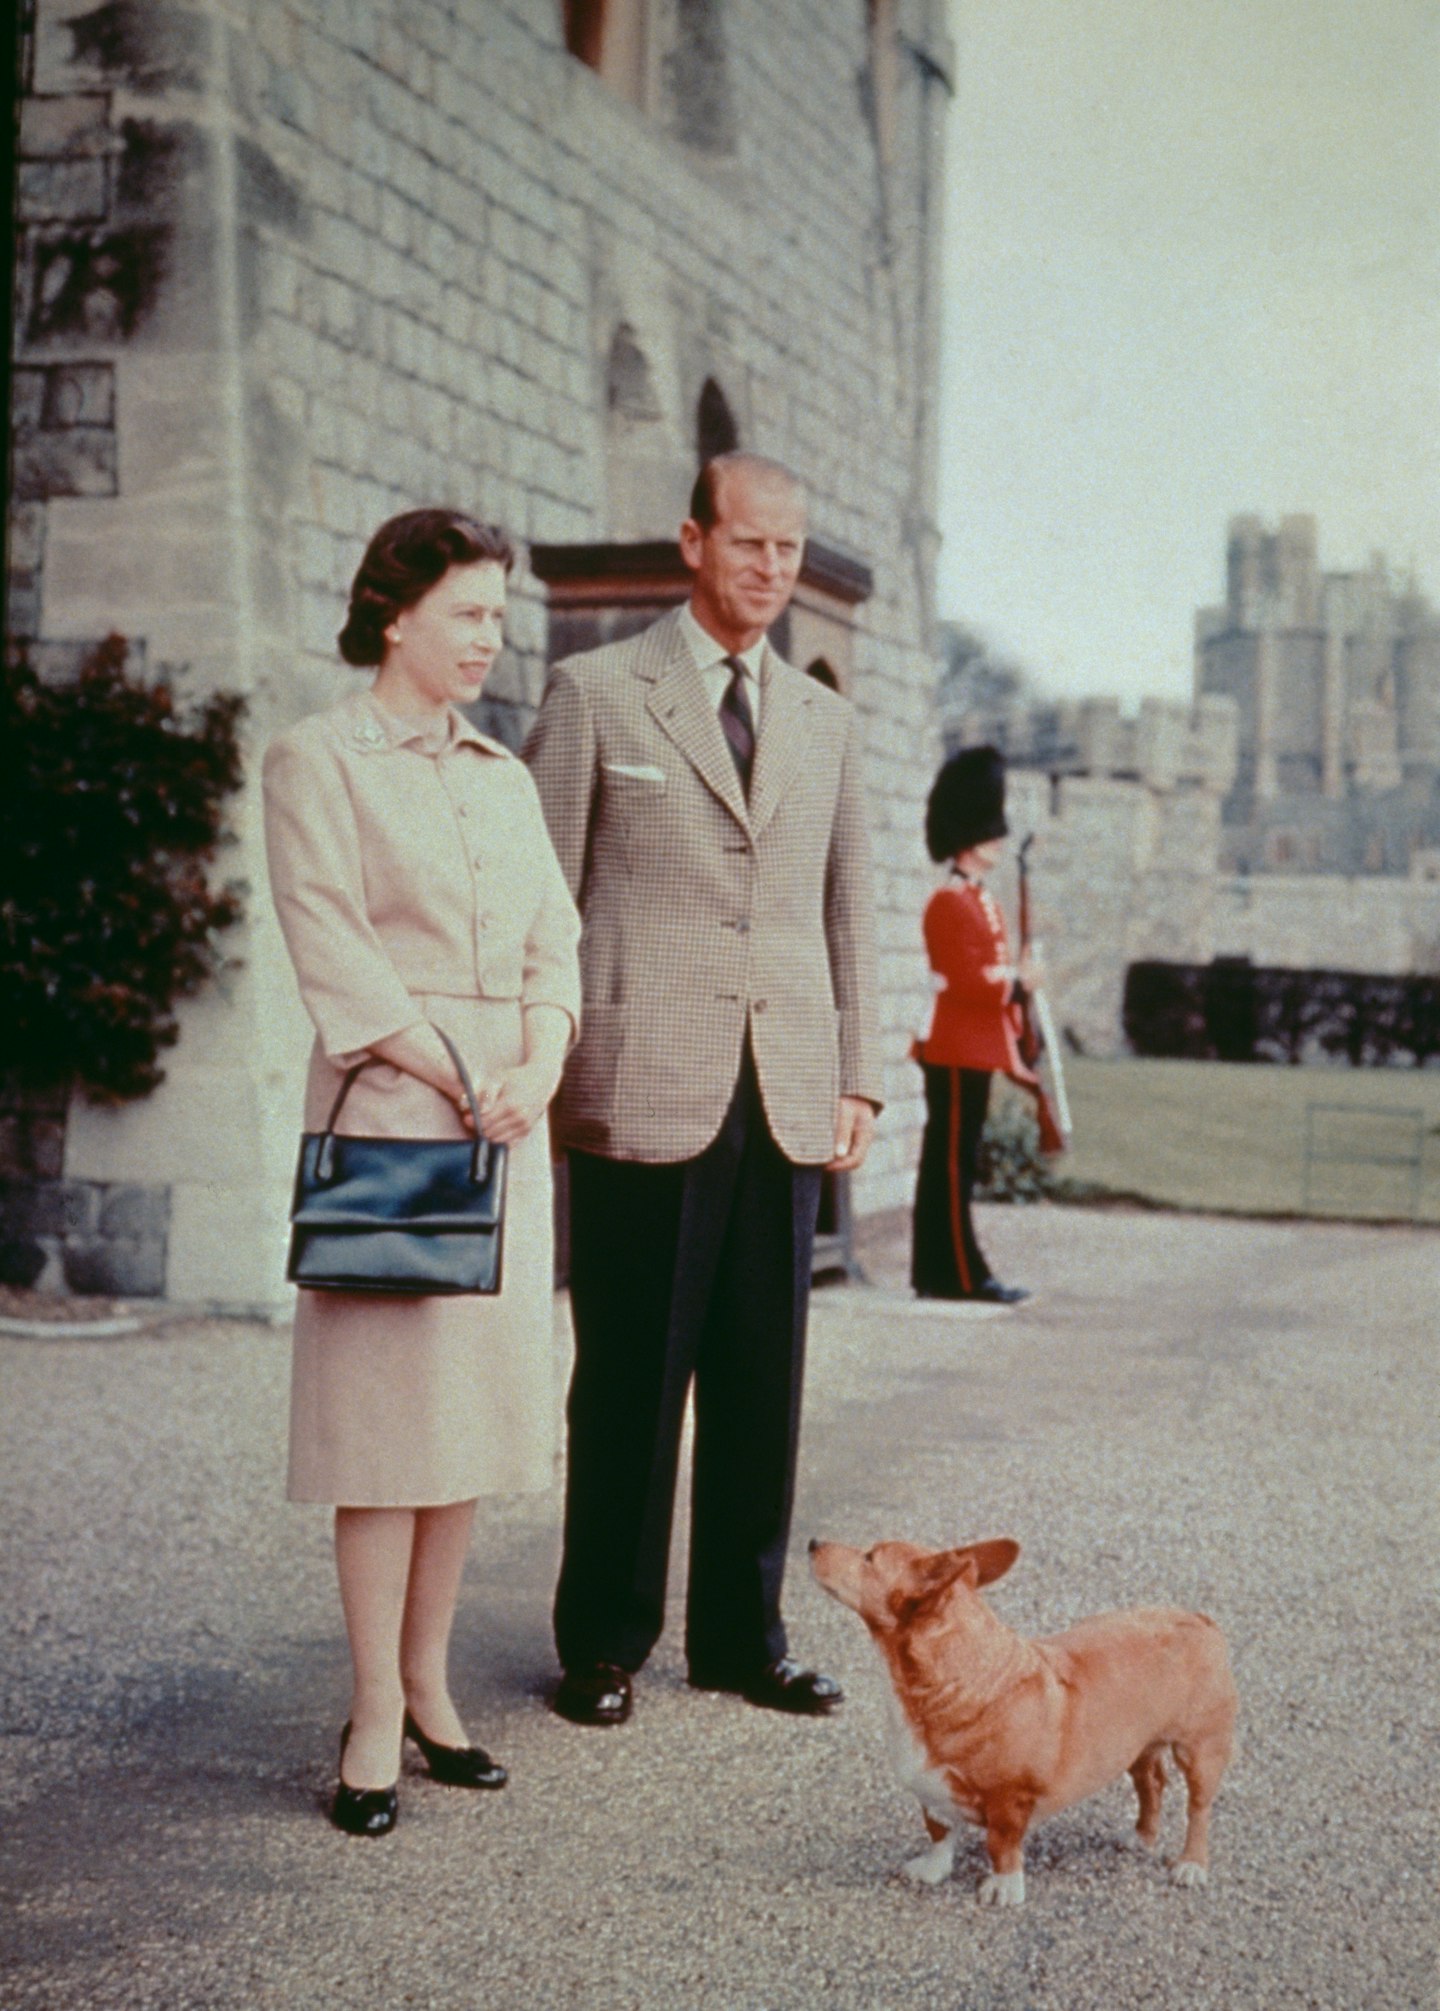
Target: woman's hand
x,y
420,1052
513,1103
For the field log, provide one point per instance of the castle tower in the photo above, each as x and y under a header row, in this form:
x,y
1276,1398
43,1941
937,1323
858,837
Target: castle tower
x,y
1336,683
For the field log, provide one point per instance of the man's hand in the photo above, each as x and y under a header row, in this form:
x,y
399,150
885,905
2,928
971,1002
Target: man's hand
x,y
854,1129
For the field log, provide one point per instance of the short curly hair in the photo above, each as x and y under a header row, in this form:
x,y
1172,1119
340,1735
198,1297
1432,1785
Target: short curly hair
x,y
407,556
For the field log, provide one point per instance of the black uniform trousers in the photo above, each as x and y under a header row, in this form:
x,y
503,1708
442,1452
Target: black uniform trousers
x,y
946,1261
694,1270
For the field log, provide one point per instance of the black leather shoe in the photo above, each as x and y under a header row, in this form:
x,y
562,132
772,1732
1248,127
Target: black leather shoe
x,y
593,1693
779,1686
456,1766
363,1811
996,1294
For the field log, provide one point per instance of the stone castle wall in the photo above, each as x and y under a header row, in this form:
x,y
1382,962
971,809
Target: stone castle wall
x,y
290,265
1308,921
1119,871
1125,870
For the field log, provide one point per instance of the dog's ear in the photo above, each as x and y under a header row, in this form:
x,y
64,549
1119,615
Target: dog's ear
x,y
929,1578
992,1559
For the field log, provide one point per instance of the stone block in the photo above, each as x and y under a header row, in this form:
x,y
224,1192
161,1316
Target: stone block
x,y
95,286
121,1268
64,128
79,394
40,1207
44,1146
140,568
21,1261
130,1210
27,536
22,607
152,46
62,191
27,399
79,461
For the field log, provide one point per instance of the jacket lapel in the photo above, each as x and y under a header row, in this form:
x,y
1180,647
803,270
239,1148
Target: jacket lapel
x,y
781,743
680,706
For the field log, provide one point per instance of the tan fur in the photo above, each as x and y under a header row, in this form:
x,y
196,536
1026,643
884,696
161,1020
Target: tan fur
x,y
1011,1730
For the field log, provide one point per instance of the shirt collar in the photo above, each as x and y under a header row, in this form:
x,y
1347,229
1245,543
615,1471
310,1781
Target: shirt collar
x,y
707,652
431,736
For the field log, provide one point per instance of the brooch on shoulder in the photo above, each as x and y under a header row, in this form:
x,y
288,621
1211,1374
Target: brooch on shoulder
x,y
367,734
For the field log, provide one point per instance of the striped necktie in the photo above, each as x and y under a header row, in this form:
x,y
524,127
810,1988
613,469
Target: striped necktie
x,y
737,722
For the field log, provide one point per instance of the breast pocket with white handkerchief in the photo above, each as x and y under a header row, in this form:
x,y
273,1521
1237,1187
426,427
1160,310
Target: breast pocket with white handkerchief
x,y
634,771
636,809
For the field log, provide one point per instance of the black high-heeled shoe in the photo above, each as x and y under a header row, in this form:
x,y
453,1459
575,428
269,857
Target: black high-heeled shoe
x,y
457,1766
363,1811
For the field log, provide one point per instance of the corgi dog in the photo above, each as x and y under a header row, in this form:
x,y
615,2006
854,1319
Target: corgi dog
x,y
996,1730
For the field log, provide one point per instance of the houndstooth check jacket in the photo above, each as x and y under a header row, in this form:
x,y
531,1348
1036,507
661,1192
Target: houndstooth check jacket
x,y
704,915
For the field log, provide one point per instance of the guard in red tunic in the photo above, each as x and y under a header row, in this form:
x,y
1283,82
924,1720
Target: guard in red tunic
x,y
975,1029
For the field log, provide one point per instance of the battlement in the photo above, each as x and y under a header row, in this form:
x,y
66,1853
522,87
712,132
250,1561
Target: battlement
x,y
1165,745
1273,575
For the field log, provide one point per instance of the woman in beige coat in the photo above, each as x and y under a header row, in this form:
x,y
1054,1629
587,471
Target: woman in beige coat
x,y
416,888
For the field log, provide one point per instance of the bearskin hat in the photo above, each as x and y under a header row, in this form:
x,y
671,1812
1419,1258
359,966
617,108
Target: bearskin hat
x,y
967,802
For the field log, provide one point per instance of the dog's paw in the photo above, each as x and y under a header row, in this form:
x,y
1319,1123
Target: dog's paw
x,y
933,1866
1001,1888
1187,1873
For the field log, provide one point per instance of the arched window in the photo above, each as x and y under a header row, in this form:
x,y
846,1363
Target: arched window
x,y
715,428
629,387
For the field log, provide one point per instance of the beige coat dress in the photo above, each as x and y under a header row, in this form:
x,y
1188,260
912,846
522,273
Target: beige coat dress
x,y
414,880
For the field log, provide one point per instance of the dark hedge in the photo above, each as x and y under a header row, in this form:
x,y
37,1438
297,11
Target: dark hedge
x,y
111,813
1232,1010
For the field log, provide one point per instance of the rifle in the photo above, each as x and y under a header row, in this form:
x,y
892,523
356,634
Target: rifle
x,y
1037,1033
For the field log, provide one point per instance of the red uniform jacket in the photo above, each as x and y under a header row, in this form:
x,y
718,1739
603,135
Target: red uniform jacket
x,y
976,1022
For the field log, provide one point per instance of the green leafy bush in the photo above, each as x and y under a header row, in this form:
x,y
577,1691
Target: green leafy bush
x,y
111,813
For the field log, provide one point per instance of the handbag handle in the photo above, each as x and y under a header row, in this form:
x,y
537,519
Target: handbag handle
x,y
325,1156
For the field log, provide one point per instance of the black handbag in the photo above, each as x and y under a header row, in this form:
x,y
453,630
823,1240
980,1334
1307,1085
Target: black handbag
x,y
415,1216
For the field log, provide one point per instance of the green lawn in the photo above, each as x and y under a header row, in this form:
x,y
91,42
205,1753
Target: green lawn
x,y
1225,1136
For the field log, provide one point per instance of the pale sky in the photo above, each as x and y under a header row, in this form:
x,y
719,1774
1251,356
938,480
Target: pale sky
x,y
1192,269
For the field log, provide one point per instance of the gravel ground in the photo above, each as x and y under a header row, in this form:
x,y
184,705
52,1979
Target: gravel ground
x,y
1234,1415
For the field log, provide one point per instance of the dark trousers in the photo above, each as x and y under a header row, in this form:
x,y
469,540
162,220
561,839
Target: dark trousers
x,y
946,1262
695,1270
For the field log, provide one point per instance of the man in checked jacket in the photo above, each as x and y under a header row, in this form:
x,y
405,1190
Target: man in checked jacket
x,y
705,801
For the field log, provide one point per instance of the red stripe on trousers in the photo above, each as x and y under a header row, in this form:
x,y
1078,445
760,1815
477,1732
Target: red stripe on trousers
x,y
953,1169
